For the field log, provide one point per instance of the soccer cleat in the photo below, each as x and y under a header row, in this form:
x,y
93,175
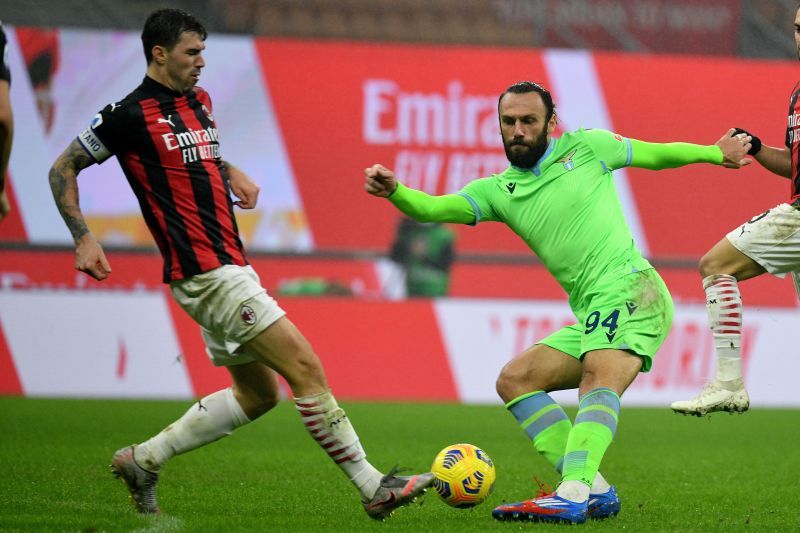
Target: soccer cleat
x,y
396,491
713,398
549,508
603,505
600,506
141,483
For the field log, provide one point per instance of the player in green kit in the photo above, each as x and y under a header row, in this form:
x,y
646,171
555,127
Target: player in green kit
x,y
558,195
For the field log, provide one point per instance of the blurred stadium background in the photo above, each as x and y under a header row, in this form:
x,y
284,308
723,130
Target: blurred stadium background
x,y
741,28
309,92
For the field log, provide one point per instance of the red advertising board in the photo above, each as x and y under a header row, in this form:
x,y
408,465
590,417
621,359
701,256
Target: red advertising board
x,y
304,118
686,211
430,114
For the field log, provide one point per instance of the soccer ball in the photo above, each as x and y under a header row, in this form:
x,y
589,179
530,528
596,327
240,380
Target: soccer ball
x,y
464,475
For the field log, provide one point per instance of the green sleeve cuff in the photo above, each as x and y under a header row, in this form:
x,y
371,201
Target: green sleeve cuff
x,y
398,191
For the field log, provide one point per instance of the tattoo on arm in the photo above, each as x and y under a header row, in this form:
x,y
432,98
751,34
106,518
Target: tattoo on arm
x,y
64,185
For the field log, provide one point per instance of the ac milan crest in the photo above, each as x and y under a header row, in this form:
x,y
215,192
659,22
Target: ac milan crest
x,y
248,315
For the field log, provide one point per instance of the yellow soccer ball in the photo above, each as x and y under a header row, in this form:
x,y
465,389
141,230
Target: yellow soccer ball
x,y
464,475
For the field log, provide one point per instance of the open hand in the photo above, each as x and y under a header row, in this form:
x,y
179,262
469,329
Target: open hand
x,y
734,149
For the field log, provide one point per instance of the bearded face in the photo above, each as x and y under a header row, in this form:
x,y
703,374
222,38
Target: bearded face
x,y
525,127
525,154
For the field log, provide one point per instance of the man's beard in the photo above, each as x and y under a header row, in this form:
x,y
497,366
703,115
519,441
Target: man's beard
x,y
529,157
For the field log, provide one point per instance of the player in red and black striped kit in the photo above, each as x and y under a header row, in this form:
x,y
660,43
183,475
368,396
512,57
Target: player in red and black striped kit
x,y
768,242
167,144
166,141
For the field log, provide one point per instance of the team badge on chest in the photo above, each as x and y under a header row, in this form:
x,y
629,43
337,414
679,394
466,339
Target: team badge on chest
x,y
569,164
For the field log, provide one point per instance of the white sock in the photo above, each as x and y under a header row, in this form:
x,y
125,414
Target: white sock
x,y
599,485
724,306
330,427
573,490
210,419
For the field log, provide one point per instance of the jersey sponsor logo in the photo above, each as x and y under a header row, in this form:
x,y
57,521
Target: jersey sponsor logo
x,y
194,144
511,187
792,133
567,160
190,137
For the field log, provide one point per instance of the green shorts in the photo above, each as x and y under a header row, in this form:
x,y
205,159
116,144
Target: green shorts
x,y
633,313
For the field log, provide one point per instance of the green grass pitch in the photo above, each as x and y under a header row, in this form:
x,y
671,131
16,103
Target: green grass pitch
x,y
673,473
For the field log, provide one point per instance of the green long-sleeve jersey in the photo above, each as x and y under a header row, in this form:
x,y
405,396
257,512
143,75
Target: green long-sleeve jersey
x,y
565,208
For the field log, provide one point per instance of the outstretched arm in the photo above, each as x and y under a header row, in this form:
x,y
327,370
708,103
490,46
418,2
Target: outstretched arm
x,y
776,160
729,152
422,207
89,256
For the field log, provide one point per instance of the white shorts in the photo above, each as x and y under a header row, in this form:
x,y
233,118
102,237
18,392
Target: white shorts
x,y
231,307
771,239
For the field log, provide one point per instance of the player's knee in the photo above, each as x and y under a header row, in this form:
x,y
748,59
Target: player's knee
x,y
509,384
708,265
501,386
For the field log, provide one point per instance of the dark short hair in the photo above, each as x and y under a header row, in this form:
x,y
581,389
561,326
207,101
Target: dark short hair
x,y
164,27
522,87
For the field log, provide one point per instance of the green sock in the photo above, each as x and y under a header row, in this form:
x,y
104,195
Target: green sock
x,y
545,422
595,425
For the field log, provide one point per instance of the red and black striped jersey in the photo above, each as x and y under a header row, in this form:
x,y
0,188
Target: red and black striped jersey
x,y
793,141
168,147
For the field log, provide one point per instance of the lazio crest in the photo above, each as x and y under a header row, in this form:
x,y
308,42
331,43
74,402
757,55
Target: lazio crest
x,y
567,160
